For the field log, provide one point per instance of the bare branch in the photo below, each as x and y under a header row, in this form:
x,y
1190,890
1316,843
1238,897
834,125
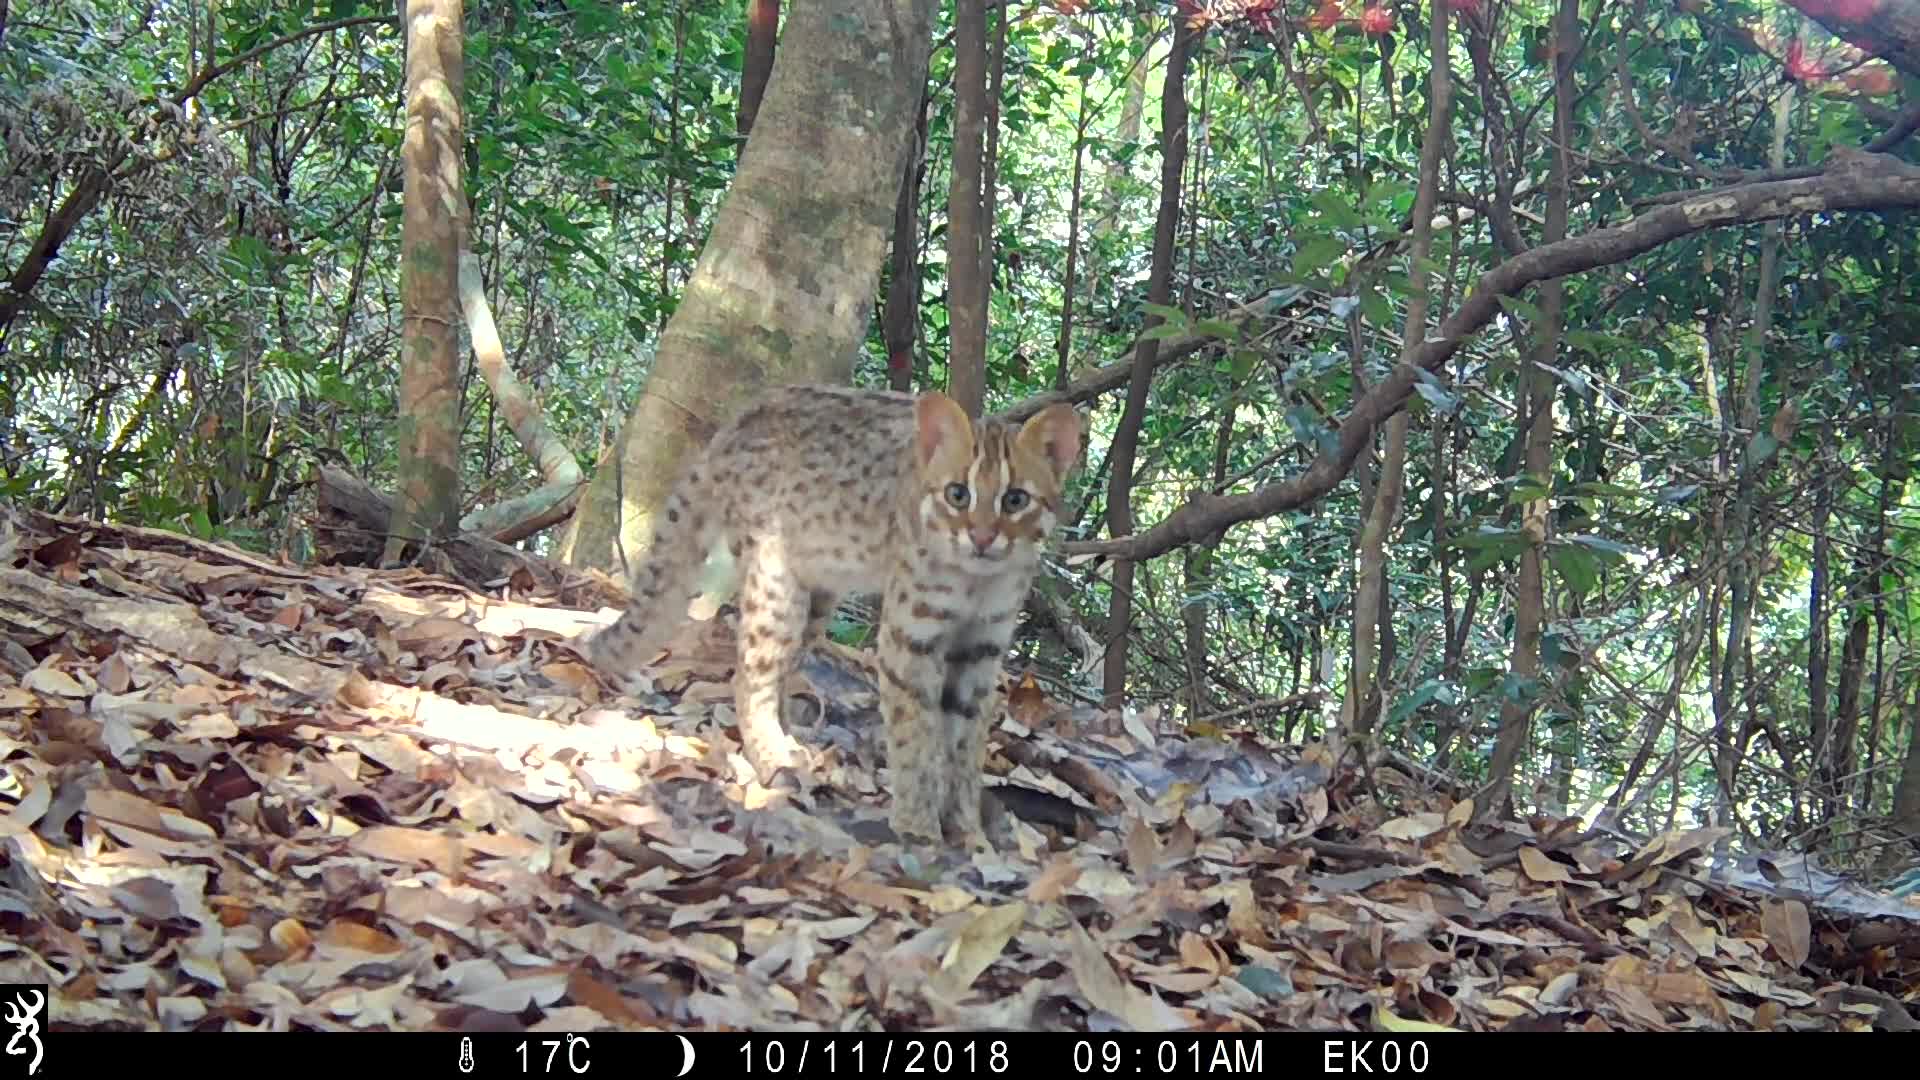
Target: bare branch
x,y
1852,181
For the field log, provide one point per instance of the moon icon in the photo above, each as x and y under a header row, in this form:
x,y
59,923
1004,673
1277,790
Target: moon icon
x,y
686,1047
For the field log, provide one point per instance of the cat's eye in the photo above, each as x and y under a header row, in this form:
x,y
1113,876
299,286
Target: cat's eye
x,y
957,495
1013,500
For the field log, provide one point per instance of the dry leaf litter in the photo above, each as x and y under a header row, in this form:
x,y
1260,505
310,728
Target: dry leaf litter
x,y
240,794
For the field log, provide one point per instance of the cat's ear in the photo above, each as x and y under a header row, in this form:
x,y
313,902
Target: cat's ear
x,y
1053,433
941,430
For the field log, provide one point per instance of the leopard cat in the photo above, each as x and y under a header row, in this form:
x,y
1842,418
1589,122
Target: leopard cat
x,y
815,493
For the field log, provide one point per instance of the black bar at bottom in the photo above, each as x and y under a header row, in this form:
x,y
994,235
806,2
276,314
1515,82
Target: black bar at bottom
x,y
656,1055
493,1055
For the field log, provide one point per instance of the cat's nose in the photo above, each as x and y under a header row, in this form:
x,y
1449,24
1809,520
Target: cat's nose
x,y
982,538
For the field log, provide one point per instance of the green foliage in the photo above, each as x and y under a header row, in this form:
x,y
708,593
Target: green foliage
x,y
229,316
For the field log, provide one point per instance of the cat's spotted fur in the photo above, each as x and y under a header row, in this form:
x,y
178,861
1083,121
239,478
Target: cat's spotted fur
x,y
820,492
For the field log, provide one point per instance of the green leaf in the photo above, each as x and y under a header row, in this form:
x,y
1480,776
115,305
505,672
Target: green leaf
x,y
1602,546
1432,690
1601,490
1577,567
1525,491
1335,211
1433,393
1377,308
1519,689
1163,331
1317,253
1306,425
1170,314
1219,328
1520,309
1575,380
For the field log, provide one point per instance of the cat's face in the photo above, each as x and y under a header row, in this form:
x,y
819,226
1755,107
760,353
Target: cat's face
x,y
990,492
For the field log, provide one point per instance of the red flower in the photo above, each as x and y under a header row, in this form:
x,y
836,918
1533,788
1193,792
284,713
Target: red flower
x,y
1800,67
1376,20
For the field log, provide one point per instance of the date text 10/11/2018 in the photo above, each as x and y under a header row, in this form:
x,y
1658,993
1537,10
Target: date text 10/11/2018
x,y
1111,1056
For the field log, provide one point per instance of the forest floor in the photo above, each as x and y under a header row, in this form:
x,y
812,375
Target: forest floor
x,y
237,793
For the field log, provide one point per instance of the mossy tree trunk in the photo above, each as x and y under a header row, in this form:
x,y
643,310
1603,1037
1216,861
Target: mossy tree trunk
x,y
434,219
783,290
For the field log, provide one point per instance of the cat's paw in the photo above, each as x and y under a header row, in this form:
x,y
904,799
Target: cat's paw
x,y
775,756
914,828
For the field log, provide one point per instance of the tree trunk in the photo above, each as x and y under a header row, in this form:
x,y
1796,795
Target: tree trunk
x,y
1126,439
1371,613
783,291
427,502
1819,649
763,34
1877,566
1745,561
1529,607
900,319
1906,793
966,270
1199,573
1846,713
1069,279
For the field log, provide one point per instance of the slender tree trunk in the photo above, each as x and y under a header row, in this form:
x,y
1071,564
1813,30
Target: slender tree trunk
x,y
1887,470
1069,279
669,248
1371,612
1846,712
784,289
966,269
1529,608
1126,132
763,34
1743,567
900,319
1198,567
427,502
990,165
1819,651
1906,792
1126,439
1692,631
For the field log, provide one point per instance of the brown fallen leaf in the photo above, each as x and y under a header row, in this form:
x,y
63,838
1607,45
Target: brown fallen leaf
x,y
1028,704
1788,930
1143,850
590,992
349,934
1243,916
291,937
1413,826
126,808
399,844
975,948
1055,878
53,681
1202,955
1105,989
1542,869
